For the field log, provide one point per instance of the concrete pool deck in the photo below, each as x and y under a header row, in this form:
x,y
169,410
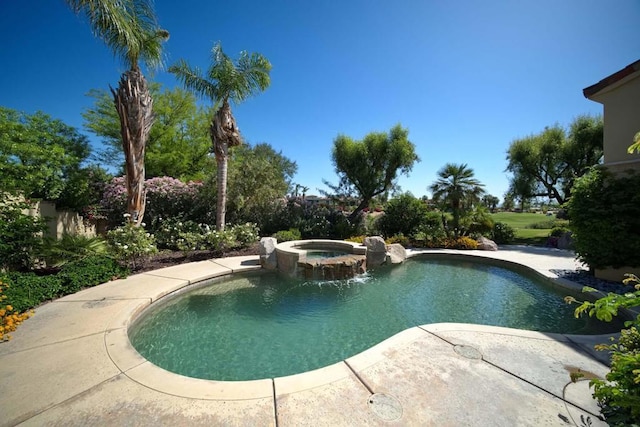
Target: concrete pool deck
x,y
72,364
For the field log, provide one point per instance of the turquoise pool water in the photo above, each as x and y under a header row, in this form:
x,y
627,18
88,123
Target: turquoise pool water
x,y
265,325
313,254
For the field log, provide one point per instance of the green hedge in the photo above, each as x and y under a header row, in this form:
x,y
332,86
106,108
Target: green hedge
x,y
605,219
28,290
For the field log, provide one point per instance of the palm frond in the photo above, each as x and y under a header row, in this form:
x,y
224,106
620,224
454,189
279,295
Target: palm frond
x,y
242,80
128,27
193,80
225,79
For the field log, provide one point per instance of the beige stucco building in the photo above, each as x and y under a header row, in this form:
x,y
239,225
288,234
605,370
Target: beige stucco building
x,y
619,93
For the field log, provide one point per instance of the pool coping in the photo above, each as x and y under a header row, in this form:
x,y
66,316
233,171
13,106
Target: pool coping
x,y
72,364
130,363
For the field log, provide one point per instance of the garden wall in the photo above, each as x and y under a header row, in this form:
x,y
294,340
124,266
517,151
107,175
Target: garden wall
x,y
61,222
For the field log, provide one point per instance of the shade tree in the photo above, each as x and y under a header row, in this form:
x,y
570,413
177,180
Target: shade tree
x,y
370,167
547,164
38,154
178,143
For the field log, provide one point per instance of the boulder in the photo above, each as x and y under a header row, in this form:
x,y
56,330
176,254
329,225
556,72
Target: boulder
x,y
268,258
485,244
376,251
396,253
565,241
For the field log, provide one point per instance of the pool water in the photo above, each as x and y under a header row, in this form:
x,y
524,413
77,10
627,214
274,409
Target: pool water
x,y
266,325
314,254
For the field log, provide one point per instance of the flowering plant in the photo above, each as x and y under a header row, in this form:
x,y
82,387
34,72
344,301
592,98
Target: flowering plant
x,y
9,318
131,244
166,197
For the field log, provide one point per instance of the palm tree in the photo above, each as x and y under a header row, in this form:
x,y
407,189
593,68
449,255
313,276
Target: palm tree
x,y
457,190
224,81
130,30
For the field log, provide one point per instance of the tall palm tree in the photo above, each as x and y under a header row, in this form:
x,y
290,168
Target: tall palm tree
x,y
130,30
224,81
457,190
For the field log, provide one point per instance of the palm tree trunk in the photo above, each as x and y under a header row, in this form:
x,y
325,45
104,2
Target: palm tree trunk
x,y
455,207
135,109
221,199
224,134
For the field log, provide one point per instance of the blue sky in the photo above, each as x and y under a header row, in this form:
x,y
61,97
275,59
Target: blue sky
x,y
465,77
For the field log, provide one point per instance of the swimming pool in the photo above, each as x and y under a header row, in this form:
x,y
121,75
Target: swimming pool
x,y
266,325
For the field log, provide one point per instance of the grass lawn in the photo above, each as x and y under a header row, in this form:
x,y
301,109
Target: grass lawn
x,y
520,222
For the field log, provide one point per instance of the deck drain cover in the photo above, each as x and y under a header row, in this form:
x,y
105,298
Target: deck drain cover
x,y
384,406
467,351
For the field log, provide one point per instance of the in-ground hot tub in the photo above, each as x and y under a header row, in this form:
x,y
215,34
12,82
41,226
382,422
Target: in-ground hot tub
x,y
321,259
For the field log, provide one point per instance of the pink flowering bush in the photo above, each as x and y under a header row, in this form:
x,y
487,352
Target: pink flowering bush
x,y
166,198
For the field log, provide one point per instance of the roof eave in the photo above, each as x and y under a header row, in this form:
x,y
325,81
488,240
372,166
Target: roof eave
x,y
612,80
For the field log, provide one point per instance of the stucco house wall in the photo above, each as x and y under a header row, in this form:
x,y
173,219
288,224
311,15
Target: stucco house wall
x,y
619,94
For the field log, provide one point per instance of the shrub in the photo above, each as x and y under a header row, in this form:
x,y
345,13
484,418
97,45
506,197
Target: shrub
x,y
462,242
166,198
245,234
542,225
403,214
176,234
398,238
288,235
218,240
131,244
28,290
558,231
10,317
20,236
89,271
502,233
619,395
478,221
605,219
431,233
356,239
339,226
72,248
549,223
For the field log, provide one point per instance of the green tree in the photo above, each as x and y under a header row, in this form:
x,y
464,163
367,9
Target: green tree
x,y
258,176
178,143
224,81
522,189
369,168
20,236
84,189
130,29
403,214
547,164
508,201
491,202
258,180
38,154
456,190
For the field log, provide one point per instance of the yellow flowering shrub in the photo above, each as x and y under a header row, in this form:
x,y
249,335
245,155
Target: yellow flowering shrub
x,y
9,319
462,242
